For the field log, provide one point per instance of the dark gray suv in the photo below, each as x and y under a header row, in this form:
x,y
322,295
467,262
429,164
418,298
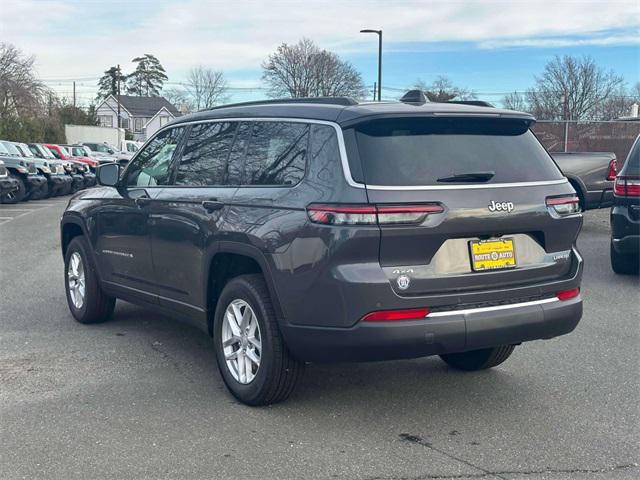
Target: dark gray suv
x,y
321,230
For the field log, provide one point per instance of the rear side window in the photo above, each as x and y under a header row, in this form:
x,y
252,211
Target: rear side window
x,y
205,154
419,151
276,154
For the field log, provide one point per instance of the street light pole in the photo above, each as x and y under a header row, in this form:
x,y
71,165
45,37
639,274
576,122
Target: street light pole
x,y
379,33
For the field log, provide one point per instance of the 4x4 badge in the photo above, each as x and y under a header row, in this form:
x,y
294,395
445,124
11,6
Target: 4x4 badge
x,y
500,206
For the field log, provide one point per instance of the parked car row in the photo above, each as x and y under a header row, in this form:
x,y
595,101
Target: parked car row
x,y
35,171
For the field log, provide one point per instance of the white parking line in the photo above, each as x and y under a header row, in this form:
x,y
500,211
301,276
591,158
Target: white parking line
x,y
21,211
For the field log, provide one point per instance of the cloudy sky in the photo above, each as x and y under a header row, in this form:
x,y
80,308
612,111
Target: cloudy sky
x,y
491,47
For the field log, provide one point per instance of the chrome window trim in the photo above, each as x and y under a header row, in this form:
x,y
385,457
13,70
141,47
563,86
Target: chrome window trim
x,y
492,309
345,161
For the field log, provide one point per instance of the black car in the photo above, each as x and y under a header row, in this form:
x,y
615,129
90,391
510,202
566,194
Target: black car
x,y
8,186
25,174
322,230
625,215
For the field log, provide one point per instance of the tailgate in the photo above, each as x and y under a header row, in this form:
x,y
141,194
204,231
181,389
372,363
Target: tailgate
x,y
495,228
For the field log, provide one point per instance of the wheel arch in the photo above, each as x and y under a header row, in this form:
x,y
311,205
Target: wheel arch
x,y
70,228
580,188
229,260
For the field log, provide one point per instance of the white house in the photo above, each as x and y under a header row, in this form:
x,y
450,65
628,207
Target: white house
x,y
141,116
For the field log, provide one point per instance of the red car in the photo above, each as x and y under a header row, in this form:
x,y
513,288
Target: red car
x,y
80,153
63,153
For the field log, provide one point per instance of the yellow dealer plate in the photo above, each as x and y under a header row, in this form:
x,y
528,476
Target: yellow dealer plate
x,y
492,254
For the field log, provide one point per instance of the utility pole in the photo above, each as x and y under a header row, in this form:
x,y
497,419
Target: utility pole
x,y
374,91
118,77
379,33
74,94
118,97
565,116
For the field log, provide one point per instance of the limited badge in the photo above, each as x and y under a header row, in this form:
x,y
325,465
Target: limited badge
x,y
403,282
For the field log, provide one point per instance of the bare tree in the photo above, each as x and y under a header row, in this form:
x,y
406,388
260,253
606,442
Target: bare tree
x,y
205,87
305,70
442,90
21,93
515,101
572,88
179,98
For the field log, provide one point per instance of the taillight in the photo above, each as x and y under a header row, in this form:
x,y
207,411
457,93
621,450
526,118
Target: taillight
x,y
627,186
562,206
371,214
342,214
568,294
613,170
396,315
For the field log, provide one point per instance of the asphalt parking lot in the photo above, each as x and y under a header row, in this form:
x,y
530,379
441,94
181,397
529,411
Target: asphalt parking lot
x,y
140,396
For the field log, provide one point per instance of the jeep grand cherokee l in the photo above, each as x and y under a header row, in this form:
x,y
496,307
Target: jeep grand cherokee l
x,y
326,230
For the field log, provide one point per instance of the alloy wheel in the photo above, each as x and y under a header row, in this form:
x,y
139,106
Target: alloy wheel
x,y
241,341
76,280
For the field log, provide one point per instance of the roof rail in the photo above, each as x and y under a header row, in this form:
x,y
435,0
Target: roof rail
x,y
477,103
344,101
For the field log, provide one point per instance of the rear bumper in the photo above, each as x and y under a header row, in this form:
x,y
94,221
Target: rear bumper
x,y
8,185
625,230
437,333
598,199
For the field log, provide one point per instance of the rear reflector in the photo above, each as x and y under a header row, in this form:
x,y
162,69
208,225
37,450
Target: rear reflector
x,y
564,205
371,214
627,186
394,315
568,294
613,170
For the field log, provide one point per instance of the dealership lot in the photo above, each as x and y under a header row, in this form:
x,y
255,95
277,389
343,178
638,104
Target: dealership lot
x,y
140,396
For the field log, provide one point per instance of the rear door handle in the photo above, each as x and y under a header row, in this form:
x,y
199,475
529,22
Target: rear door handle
x,y
212,205
142,201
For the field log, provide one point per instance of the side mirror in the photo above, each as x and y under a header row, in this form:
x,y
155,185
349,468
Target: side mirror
x,y
111,151
109,174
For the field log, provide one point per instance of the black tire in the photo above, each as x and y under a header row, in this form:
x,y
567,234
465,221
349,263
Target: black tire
x,y
42,193
278,372
18,195
97,307
478,359
624,264
67,189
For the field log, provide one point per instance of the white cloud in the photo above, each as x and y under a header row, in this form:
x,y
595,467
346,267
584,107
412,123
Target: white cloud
x,y
83,38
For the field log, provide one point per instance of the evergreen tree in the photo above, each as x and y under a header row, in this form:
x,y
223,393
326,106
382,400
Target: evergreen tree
x,y
108,84
148,77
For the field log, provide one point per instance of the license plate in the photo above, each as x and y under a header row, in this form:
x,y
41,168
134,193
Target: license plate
x,y
492,254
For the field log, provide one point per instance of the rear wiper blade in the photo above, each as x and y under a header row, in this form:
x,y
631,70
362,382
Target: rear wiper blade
x,y
468,177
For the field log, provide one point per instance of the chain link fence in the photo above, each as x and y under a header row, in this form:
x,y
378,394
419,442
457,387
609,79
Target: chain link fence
x,y
575,136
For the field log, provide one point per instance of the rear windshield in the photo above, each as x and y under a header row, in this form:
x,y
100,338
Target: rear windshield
x,y
419,151
632,166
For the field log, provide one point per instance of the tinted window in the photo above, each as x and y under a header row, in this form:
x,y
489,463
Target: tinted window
x,y
152,165
238,153
418,151
277,153
205,154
